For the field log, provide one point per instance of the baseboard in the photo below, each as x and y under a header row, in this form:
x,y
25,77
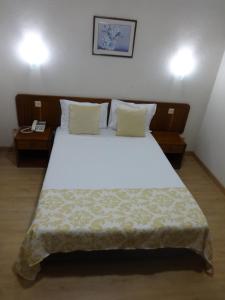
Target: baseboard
x,y
206,169
189,153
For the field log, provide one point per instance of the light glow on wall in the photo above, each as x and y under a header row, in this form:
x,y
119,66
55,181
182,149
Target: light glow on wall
x,y
183,63
33,49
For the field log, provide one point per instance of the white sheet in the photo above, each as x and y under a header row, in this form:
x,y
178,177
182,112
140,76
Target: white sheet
x,y
108,161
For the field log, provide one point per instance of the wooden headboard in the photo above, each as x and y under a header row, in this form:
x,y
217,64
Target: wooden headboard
x,y
50,111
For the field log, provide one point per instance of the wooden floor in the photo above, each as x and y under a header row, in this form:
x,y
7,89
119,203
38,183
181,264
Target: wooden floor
x,y
157,277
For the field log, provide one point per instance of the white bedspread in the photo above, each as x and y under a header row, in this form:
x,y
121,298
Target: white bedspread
x,y
107,161
108,192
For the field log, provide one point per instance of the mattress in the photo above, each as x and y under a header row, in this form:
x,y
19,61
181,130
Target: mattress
x,y
108,192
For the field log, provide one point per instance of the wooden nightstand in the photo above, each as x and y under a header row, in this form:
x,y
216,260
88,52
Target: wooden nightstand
x,y
33,149
172,145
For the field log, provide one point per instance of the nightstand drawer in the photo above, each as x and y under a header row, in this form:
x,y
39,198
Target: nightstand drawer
x,y
33,149
173,148
32,145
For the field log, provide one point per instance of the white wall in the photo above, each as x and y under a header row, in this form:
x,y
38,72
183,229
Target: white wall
x,y
163,26
211,141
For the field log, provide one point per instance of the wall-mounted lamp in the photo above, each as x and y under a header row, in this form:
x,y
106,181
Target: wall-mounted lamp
x,y
182,63
33,50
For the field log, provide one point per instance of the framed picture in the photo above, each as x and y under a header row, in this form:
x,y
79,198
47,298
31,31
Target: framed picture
x,y
113,36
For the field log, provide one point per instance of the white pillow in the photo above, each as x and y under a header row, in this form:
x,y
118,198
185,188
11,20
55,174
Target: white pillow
x,y
65,104
151,109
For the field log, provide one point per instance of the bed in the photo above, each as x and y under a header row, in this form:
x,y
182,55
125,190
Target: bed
x,y
106,192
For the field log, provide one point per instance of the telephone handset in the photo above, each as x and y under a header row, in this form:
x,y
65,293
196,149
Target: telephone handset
x,y
38,126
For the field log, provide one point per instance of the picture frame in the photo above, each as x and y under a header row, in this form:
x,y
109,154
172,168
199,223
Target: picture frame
x,y
113,36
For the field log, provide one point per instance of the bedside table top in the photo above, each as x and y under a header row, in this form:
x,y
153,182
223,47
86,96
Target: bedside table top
x,y
35,136
169,138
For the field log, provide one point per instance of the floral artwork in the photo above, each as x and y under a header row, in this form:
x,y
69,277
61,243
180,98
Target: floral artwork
x,y
114,37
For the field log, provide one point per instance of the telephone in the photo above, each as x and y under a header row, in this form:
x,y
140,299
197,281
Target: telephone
x,y
38,126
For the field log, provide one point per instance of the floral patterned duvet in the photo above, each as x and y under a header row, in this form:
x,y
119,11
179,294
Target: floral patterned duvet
x,y
70,220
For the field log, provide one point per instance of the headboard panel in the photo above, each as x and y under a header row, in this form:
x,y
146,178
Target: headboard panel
x,y
51,112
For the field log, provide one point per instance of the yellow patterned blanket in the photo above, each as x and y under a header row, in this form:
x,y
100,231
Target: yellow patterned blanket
x,y
69,220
